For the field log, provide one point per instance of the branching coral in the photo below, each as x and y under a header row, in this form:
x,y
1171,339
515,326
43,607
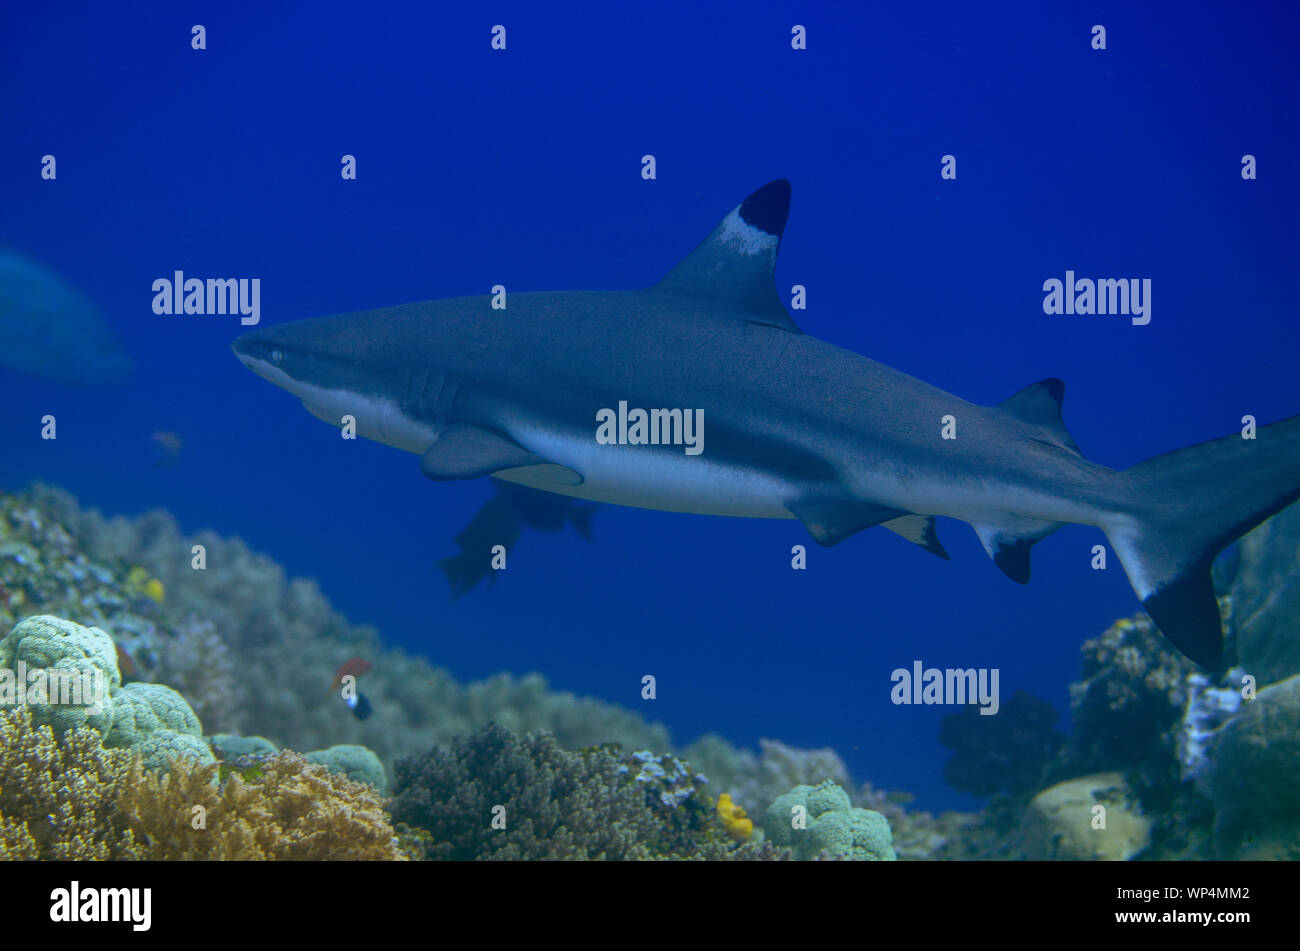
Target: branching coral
x,y
293,810
58,798
500,795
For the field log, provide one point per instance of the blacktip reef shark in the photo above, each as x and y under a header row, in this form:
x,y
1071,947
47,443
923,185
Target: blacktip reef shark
x,y
796,427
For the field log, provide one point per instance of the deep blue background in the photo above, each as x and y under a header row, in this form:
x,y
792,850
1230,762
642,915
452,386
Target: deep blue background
x,y
522,167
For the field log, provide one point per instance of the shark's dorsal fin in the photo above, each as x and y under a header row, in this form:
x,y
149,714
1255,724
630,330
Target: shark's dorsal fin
x,y
1039,404
736,263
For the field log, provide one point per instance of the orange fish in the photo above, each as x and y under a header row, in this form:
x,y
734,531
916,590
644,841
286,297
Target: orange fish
x,y
355,666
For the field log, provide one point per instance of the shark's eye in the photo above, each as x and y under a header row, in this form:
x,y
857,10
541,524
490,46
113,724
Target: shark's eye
x,y
275,356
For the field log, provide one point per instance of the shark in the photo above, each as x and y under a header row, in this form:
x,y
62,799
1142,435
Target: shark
x,y
791,427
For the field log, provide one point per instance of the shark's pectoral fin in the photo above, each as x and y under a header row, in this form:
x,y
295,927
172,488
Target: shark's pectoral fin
x,y
1009,540
919,530
830,521
465,451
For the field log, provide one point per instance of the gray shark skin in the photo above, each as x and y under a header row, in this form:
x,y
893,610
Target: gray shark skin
x,y
793,427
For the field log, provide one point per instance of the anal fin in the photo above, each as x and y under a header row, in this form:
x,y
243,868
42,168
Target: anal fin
x,y
1009,540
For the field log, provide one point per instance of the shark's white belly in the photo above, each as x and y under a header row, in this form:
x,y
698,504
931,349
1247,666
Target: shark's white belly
x,y
654,477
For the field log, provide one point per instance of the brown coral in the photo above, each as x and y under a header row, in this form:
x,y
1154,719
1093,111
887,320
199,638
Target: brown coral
x,y
292,810
58,799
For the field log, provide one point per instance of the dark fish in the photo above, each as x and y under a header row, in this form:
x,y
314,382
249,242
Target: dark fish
x,y
499,522
359,705
50,330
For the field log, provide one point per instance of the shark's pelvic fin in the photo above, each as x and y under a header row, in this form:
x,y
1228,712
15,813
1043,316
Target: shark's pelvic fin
x,y
1008,543
830,520
736,263
465,451
919,530
1039,404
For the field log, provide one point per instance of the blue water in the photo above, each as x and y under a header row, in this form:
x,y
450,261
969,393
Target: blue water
x,y
523,167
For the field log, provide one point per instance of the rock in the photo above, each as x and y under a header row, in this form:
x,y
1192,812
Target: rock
x,y
1266,598
1254,774
1059,823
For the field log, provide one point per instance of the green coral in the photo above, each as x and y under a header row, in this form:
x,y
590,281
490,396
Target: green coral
x,y
87,654
355,762
821,822
151,720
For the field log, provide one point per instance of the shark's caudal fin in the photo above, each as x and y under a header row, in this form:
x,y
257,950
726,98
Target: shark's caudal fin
x,y
1183,508
736,263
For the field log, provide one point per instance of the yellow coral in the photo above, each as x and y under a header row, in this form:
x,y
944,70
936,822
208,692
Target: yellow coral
x,y
58,799
733,817
292,810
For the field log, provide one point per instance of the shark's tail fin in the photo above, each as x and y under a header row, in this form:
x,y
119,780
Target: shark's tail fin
x,y
1183,508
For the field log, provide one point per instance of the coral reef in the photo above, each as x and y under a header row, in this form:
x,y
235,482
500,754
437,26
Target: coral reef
x,y
820,822
754,781
501,795
1007,752
255,651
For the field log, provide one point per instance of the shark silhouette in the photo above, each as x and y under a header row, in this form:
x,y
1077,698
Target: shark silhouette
x,y
795,427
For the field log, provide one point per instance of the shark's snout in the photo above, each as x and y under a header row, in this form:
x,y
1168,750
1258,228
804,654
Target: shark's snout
x,y
261,354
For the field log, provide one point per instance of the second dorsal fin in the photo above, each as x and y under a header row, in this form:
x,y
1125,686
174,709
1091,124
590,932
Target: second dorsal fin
x,y
1039,404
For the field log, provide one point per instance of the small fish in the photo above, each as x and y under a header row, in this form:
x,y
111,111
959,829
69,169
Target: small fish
x,y
359,705
355,666
125,663
167,447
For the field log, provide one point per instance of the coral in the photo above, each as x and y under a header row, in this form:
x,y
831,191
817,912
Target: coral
x,y
739,826
1128,710
501,795
80,655
156,722
58,795
1253,776
754,781
1062,822
355,762
1006,752
293,810
230,746
1208,707
821,822
199,663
